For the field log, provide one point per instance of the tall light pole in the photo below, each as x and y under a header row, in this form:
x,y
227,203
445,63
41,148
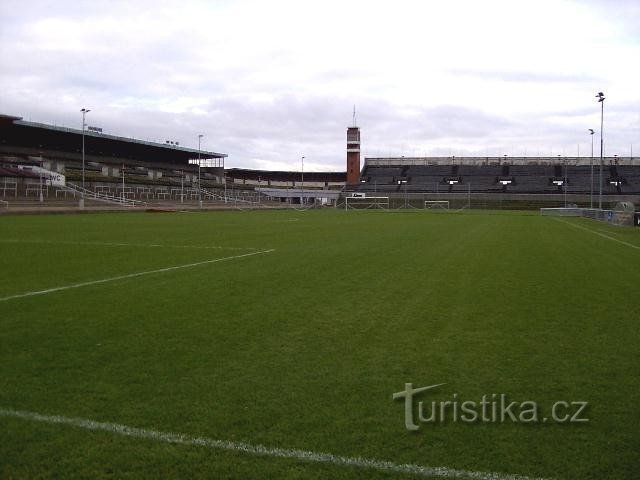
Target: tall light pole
x,y
84,112
591,132
406,197
600,97
564,183
225,186
41,196
199,177
302,182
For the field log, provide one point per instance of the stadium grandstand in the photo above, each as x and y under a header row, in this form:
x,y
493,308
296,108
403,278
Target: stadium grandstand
x,y
61,148
32,150
525,182
49,163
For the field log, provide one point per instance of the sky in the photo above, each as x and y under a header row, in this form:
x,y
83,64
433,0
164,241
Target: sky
x,y
268,82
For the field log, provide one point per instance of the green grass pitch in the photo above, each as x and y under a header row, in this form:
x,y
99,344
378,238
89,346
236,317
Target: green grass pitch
x,y
302,347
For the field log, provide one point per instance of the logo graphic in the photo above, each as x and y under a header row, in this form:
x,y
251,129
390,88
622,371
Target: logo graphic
x,y
408,394
491,408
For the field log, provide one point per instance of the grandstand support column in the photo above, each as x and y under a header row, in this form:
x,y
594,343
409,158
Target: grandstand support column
x,y
591,132
600,97
199,176
84,112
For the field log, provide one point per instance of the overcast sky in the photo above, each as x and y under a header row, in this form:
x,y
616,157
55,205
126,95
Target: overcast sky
x,y
270,81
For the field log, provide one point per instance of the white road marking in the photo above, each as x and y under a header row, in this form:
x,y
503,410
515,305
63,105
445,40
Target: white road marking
x,y
260,450
599,234
119,244
129,275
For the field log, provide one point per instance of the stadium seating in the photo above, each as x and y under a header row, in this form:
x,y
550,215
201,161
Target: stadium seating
x,y
522,178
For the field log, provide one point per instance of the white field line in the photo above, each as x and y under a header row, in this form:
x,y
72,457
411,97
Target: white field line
x,y
118,244
129,275
603,235
246,448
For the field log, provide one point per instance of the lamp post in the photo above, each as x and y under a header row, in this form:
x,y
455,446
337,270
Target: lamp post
x,y
84,112
600,97
40,195
181,186
400,183
591,132
406,195
41,167
199,176
564,183
302,183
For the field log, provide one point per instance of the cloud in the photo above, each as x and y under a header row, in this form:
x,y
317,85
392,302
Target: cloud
x,y
268,82
523,76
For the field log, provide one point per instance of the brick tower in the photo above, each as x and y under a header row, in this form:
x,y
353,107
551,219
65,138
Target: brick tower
x,y
353,153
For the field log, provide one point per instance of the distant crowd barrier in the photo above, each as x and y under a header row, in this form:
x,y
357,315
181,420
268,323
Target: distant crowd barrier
x,y
622,214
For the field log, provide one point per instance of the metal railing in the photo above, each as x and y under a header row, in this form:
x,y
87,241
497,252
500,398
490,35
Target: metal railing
x,y
102,197
227,199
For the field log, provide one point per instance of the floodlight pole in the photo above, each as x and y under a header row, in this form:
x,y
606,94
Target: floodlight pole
x,y
199,176
600,97
181,186
302,183
406,199
565,182
591,132
41,163
122,182
84,112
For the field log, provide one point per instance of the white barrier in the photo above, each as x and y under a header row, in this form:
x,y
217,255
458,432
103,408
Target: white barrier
x,y
622,215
